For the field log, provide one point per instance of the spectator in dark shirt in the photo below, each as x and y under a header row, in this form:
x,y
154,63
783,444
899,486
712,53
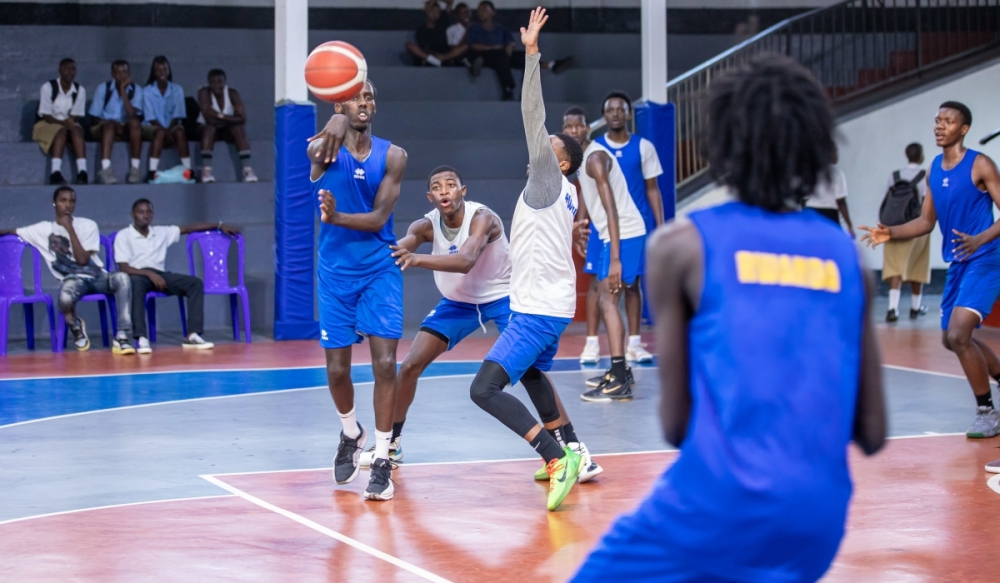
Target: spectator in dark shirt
x,y
492,45
432,46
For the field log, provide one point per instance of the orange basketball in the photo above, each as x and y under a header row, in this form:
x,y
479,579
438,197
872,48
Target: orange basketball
x,y
336,71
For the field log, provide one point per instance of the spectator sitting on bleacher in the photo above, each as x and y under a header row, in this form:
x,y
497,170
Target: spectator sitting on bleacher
x,y
432,46
60,102
141,252
117,113
163,106
456,32
71,246
222,117
492,45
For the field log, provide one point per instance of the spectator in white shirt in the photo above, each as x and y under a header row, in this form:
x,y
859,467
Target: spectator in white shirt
x,y
141,252
60,102
830,197
456,32
71,246
908,260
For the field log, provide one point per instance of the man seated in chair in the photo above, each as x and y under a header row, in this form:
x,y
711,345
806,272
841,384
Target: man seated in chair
x,y
141,252
70,247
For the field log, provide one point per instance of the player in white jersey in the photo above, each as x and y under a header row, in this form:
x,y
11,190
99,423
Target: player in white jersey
x,y
542,284
623,236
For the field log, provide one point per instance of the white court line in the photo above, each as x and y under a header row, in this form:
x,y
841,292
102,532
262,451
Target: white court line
x,y
328,532
994,483
13,520
925,371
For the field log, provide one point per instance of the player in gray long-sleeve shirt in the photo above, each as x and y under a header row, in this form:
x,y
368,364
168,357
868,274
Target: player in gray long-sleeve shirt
x,y
546,172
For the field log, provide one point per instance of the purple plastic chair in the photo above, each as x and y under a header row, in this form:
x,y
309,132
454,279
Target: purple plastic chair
x,y
151,304
104,301
12,291
215,252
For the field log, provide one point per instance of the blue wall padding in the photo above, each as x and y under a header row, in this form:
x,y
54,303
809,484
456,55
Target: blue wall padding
x,y
294,224
656,123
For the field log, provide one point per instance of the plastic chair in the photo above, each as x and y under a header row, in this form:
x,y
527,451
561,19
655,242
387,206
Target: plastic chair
x,y
151,304
104,301
215,252
12,291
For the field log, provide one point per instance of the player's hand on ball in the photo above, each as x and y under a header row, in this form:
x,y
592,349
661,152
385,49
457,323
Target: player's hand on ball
x,y
403,257
332,134
327,206
875,236
529,35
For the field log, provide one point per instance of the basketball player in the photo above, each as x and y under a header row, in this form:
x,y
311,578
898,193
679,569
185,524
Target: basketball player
x,y
623,236
640,164
472,271
962,187
542,283
357,178
767,357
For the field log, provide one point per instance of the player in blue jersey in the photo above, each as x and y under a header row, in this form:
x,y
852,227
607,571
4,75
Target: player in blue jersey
x,y
768,360
356,177
962,188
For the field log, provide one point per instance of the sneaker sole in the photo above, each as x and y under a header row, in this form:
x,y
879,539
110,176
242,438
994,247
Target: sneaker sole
x,y
605,399
382,496
206,346
357,466
982,435
588,475
588,360
993,467
123,352
144,351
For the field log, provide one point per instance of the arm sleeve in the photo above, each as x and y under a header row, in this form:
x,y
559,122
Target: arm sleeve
x,y
651,167
45,100
88,234
36,235
173,234
80,106
545,179
123,251
98,103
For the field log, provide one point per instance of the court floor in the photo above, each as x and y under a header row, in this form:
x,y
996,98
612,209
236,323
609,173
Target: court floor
x,y
180,467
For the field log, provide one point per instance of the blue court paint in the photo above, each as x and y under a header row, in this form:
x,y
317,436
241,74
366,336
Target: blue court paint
x,y
32,399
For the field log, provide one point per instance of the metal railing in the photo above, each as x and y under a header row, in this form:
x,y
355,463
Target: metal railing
x,y
853,48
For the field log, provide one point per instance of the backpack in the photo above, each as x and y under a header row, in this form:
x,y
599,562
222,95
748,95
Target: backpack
x,y
54,86
902,201
107,92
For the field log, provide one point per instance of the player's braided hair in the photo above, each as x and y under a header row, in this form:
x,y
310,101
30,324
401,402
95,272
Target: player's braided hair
x,y
573,152
770,132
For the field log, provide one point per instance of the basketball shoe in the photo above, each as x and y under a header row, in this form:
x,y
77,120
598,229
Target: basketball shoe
x,y
563,473
986,424
395,453
380,486
588,467
345,465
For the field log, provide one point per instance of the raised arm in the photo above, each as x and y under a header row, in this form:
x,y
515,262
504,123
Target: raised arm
x,y
869,412
385,198
545,180
324,146
485,227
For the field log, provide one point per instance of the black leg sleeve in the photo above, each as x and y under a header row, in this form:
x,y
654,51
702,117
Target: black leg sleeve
x,y
487,391
542,394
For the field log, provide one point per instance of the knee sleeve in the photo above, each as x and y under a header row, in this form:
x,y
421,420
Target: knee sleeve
x,y
490,380
542,394
487,392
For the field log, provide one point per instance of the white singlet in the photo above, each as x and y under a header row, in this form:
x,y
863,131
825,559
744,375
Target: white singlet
x,y
489,278
543,275
630,223
227,106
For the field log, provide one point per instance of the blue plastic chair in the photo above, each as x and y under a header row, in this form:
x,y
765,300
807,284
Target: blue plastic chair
x,y
151,304
12,291
104,301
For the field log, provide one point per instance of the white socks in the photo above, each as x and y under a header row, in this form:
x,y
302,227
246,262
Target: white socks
x,y
154,164
917,299
434,60
186,162
382,439
350,422
105,164
135,163
593,341
894,299
56,164
634,340
81,164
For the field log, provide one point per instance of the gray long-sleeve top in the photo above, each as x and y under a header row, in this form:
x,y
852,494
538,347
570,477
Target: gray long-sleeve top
x,y
545,179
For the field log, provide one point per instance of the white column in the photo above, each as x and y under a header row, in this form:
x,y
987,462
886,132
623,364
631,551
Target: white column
x,y
291,47
654,50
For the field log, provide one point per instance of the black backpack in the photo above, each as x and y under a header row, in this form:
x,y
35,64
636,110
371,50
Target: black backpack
x,y
54,86
107,92
902,201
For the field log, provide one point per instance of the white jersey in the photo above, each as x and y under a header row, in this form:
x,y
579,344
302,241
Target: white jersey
x,y
630,222
489,278
543,275
225,109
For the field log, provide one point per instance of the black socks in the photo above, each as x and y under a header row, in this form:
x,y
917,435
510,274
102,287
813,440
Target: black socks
x,y
568,434
397,428
618,367
546,446
985,400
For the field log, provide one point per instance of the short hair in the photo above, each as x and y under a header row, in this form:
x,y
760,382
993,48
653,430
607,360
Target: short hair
x,y
460,6
216,73
141,201
960,108
577,110
770,132
66,61
488,3
441,170
914,152
61,188
574,150
159,60
119,63
619,95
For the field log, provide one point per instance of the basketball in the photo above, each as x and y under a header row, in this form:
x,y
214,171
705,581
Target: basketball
x,y
335,71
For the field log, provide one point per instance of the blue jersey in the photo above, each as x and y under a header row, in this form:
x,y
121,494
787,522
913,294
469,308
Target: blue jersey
x,y
630,160
354,184
959,204
775,357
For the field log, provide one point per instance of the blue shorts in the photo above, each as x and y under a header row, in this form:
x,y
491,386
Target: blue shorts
x,y
452,321
528,341
632,253
973,284
353,307
595,248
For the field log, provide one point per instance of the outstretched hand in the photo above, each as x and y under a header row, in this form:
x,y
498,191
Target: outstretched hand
x,y
404,258
529,35
875,236
332,136
327,206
